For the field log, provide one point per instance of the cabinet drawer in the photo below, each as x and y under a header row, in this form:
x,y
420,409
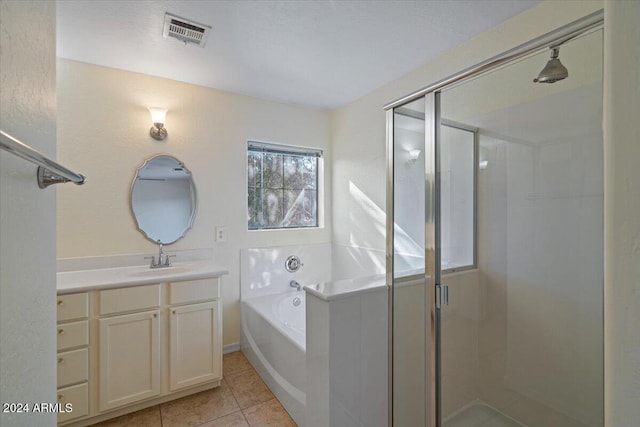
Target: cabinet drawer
x,y
78,397
129,299
194,290
73,306
73,367
73,334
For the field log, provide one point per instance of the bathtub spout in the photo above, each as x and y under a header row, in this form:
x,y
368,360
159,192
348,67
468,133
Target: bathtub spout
x,y
295,284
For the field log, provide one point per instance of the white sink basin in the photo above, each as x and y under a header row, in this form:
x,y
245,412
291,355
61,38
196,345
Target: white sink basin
x,y
159,272
114,277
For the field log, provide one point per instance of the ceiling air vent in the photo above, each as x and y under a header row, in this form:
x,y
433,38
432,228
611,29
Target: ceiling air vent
x,y
185,30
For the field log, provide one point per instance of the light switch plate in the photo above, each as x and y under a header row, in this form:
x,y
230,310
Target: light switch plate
x,y
221,234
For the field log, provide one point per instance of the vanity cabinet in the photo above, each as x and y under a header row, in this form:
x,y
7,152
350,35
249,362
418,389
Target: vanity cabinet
x,y
129,358
129,345
127,348
72,333
195,348
195,332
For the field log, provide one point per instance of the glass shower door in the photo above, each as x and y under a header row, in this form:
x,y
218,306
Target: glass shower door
x,y
522,336
411,263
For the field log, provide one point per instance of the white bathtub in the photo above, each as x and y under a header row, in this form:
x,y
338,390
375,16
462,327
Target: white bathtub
x,y
273,339
274,331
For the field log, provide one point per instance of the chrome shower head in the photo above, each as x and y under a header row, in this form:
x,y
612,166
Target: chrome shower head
x,y
554,70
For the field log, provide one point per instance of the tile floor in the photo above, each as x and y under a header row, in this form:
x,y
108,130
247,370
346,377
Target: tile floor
x,y
242,400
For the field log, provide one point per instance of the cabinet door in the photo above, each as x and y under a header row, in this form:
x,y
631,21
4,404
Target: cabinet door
x,y
195,341
129,358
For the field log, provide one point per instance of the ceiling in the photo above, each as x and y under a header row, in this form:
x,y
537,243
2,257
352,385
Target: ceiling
x,y
320,54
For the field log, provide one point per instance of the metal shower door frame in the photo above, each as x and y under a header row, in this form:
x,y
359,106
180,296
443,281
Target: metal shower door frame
x,y
432,256
432,252
432,274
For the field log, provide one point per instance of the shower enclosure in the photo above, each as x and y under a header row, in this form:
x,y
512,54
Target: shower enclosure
x,y
495,242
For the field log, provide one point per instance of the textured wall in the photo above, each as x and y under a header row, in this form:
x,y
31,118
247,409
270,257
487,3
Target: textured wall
x,y
103,130
358,129
622,212
27,220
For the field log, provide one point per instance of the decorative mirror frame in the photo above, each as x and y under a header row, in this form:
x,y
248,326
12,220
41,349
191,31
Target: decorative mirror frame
x,y
193,188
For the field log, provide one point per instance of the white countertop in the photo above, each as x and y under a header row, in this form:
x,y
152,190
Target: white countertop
x,y
344,288
116,277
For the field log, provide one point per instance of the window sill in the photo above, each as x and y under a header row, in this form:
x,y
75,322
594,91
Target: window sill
x,y
285,229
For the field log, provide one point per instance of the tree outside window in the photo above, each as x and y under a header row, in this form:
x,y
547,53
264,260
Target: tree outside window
x,y
282,187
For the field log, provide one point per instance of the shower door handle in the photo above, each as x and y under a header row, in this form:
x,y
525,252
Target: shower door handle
x,y
442,295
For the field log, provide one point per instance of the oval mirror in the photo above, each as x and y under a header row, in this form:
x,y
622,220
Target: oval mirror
x,y
163,199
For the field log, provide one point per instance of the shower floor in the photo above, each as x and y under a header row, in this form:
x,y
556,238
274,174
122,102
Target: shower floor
x,y
479,414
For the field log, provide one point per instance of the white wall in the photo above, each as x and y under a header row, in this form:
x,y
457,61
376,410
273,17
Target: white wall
x,y
622,212
27,220
358,129
541,324
358,178
359,148
103,130
540,231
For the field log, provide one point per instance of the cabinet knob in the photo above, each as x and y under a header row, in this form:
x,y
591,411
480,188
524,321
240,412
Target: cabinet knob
x,y
60,397
60,360
60,302
60,331
173,311
155,314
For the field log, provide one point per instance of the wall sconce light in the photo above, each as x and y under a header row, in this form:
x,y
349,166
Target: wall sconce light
x,y
158,116
413,155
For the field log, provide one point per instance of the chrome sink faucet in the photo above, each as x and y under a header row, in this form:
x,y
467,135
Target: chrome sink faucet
x,y
164,260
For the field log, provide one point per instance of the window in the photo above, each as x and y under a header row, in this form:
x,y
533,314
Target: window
x,y
457,197
282,186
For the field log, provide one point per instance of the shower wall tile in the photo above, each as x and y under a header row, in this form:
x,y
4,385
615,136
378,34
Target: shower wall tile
x,y
373,378
539,212
317,357
357,352
460,342
349,335
262,270
409,359
349,261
